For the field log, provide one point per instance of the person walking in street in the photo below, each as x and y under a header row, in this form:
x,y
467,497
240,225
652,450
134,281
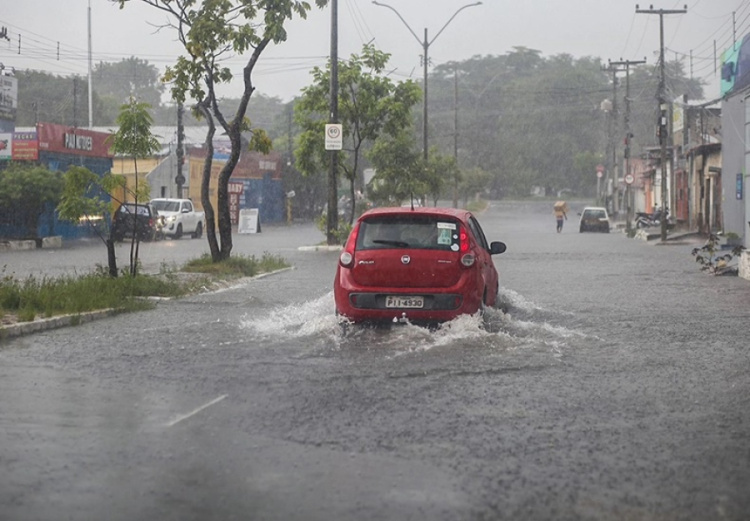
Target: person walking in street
x,y
561,214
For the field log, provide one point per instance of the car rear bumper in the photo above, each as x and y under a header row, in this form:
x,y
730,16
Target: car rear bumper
x,y
360,304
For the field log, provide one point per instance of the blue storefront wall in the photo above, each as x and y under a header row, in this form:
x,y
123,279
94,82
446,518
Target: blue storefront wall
x,y
49,223
266,194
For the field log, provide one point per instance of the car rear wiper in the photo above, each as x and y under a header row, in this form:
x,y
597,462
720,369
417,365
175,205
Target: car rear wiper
x,y
398,244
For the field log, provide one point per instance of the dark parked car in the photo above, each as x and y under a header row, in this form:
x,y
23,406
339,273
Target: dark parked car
x,y
424,265
594,219
143,218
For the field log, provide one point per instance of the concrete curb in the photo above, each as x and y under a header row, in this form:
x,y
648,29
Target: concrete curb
x,y
31,244
322,247
43,324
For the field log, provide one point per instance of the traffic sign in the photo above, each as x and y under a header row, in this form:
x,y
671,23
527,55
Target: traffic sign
x,y
629,179
334,136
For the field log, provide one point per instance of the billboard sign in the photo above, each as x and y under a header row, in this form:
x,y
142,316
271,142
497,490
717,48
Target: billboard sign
x,y
25,146
8,97
6,146
72,140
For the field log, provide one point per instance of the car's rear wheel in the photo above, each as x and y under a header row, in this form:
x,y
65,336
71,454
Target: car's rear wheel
x,y
198,231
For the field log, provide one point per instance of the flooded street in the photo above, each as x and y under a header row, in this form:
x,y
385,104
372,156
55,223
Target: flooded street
x,y
612,382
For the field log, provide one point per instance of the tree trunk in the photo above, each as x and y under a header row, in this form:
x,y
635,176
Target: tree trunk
x,y
111,257
225,218
208,208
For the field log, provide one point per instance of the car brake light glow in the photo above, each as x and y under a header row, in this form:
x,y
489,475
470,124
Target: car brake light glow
x,y
464,240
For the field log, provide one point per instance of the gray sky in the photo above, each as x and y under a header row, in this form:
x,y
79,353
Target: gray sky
x,y
607,29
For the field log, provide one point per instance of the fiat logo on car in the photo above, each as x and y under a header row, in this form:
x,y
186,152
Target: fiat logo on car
x,y
405,259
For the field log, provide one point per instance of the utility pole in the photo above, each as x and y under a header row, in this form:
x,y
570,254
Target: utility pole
x,y
90,93
628,135
612,148
180,152
455,136
663,127
332,224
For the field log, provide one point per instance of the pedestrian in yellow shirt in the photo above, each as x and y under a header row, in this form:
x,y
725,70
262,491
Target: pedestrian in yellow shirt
x,y
561,214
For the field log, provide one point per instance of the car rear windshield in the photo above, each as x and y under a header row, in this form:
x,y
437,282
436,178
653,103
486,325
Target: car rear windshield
x,y
166,206
130,208
595,214
408,231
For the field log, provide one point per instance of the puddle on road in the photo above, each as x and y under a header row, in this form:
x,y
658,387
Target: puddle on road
x,y
516,324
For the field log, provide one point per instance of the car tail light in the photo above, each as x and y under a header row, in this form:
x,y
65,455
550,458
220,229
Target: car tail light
x,y
467,257
346,259
464,241
347,256
468,260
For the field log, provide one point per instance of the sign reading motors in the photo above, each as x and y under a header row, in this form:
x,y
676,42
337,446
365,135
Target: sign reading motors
x,y
72,140
334,136
78,142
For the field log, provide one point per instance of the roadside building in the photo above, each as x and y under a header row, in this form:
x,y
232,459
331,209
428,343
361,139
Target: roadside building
x,y
57,147
735,114
255,183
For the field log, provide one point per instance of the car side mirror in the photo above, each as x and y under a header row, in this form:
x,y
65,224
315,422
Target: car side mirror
x,y
497,247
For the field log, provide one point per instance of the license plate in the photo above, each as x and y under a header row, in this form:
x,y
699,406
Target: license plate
x,y
393,301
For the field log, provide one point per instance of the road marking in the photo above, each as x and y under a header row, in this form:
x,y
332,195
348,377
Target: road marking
x,y
196,411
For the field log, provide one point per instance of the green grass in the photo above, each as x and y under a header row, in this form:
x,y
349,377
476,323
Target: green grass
x,y
46,297
236,266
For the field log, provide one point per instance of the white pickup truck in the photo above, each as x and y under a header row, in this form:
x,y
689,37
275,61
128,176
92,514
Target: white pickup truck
x,y
180,217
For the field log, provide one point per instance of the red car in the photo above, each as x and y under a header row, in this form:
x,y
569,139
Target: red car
x,y
418,265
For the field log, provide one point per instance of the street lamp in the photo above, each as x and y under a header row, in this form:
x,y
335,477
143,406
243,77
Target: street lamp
x,y
425,47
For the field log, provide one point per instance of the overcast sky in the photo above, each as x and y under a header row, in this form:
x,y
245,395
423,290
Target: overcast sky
x,y
607,29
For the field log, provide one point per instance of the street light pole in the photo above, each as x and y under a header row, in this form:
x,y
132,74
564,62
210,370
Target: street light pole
x,y
425,49
663,137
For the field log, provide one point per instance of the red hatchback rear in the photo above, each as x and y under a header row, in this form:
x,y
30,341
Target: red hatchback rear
x,y
420,265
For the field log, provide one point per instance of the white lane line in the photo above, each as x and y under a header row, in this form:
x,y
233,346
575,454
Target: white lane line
x,y
196,411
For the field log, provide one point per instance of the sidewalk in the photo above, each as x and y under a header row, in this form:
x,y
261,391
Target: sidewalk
x,y
30,244
653,234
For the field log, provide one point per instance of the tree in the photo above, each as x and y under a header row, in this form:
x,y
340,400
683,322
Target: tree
x,y
475,181
133,138
128,77
25,192
370,104
57,99
85,197
400,170
442,172
210,31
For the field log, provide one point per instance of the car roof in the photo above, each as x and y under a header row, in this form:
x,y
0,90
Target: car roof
x,y
595,208
436,211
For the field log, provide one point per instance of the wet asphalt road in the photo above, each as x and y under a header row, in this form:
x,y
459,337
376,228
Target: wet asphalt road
x,y
614,384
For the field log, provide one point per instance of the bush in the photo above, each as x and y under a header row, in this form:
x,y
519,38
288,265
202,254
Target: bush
x,y
341,234
716,264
